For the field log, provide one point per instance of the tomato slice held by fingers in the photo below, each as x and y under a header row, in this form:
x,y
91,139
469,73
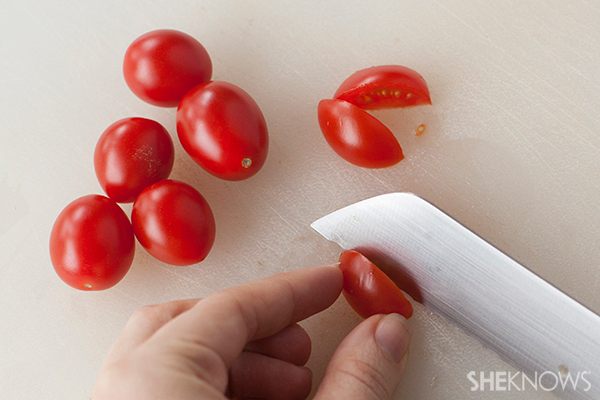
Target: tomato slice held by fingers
x,y
384,86
368,290
357,136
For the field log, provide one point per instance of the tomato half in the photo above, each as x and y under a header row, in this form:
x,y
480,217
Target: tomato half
x,y
173,221
384,86
368,290
132,154
357,136
222,128
92,243
161,66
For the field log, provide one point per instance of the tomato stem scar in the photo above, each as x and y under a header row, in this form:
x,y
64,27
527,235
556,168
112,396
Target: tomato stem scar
x,y
246,162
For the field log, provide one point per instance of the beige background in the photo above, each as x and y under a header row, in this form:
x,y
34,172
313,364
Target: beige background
x,y
511,150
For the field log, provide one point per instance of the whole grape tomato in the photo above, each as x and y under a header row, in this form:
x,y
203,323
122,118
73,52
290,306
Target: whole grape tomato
x,y
92,244
174,223
368,290
161,66
223,129
132,154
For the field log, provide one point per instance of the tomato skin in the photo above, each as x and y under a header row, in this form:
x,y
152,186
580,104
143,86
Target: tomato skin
x,y
132,154
92,244
368,290
384,86
357,136
161,66
174,223
223,129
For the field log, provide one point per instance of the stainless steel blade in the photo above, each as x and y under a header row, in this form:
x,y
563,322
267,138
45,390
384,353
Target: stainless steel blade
x,y
456,274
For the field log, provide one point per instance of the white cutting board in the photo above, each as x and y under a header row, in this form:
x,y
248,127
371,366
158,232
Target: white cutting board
x,y
511,150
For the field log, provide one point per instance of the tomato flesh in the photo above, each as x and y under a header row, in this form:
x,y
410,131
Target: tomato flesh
x,y
223,129
174,223
357,136
384,86
92,244
132,154
161,66
368,290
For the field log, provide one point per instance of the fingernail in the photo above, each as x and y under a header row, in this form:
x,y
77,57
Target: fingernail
x,y
392,336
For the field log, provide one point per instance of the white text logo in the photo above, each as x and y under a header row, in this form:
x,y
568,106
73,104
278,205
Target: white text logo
x,y
502,381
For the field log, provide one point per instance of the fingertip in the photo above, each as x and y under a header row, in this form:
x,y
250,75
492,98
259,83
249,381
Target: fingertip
x,y
392,336
370,361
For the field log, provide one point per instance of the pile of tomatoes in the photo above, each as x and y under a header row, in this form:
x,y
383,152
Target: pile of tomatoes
x,y
219,125
224,131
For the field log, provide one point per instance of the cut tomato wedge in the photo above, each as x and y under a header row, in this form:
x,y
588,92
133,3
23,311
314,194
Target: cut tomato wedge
x,y
357,136
384,86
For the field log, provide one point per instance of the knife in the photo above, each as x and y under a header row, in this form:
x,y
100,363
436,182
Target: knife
x,y
545,334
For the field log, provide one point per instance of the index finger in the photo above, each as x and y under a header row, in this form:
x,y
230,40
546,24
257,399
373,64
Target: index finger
x,y
226,321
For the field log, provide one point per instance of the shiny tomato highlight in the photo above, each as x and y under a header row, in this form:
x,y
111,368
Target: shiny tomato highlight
x,y
223,129
368,290
132,154
357,136
384,86
92,244
174,223
161,66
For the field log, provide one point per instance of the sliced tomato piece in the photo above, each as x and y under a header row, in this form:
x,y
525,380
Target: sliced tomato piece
x,y
384,86
368,290
357,136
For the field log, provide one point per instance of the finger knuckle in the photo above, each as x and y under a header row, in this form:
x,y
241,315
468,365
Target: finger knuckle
x,y
368,377
147,312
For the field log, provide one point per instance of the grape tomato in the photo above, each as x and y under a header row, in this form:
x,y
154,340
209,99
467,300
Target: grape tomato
x,y
161,66
223,129
384,86
174,223
92,244
357,136
368,290
132,154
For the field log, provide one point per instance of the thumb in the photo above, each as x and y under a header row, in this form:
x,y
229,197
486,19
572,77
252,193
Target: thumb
x,y
369,362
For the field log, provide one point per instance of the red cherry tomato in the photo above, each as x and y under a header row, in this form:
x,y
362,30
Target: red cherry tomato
x,y
132,154
357,136
92,243
385,86
174,223
222,128
368,290
161,66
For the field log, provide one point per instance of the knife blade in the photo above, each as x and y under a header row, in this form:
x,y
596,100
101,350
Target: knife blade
x,y
529,323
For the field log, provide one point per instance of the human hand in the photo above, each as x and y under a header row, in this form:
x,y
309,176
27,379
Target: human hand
x,y
244,343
